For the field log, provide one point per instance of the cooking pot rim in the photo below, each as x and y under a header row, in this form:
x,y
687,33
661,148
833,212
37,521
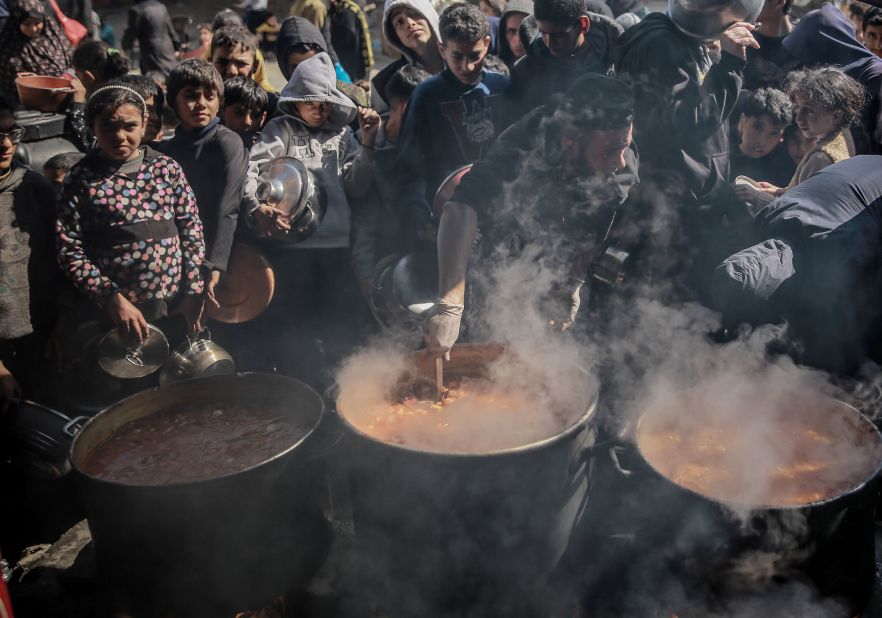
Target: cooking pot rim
x,y
562,435
184,384
773,507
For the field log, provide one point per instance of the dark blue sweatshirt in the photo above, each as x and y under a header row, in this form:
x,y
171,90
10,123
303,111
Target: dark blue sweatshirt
x,y
448,124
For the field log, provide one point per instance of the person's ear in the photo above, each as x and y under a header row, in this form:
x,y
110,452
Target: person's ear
x,y
144,122
262,119
584,24
741,124
487,43
441,48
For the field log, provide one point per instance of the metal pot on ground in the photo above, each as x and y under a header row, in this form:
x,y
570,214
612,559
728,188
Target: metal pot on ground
x,y
469,534
211,547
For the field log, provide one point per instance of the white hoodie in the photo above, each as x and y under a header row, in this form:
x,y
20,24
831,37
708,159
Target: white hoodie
x,y
424,7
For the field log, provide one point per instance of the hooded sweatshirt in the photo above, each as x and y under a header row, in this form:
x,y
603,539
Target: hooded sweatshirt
x,y
425,8
825,36
331,152
682,107
539,75
299,31
448,124
522,7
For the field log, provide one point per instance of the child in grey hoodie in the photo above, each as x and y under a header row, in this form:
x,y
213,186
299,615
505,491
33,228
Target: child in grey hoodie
x,y
313,127
307,320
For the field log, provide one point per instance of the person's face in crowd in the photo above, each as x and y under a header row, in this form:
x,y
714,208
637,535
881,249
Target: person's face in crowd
x,y
486,9
241,119
798,145
205,37
411,28
31,27
233,61
813,120
154,121
563,40
296,57
596,153
465,59
392,124
873,39
10,136
512,23
119,132
197,106
759,135
313,113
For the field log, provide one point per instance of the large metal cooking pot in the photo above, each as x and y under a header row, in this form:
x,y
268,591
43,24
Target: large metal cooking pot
x,y
707,19
828,544
211,547
37,438
440,532
288,186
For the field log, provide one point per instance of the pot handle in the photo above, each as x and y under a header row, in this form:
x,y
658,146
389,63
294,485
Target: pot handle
x,y
73,427
203,335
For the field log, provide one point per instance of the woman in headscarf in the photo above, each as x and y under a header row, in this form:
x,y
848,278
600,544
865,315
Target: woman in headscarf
x,y
31,41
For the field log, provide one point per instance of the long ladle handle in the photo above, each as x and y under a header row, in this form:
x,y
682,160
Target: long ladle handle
x,y
439,378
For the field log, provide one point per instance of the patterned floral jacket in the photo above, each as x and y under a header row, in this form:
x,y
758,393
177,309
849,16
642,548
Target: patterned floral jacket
x,y
132,229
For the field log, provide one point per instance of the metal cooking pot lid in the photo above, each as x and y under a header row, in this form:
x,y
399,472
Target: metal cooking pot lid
x,y
246,289
124,357
285,185
415,281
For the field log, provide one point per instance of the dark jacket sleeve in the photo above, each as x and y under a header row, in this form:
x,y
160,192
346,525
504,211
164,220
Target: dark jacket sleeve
x,y
75,128
683,105
232,176
43,273
411,162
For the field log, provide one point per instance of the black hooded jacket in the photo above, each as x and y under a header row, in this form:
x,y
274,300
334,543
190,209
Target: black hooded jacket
x,y
295,31
681,119
524,7
825,36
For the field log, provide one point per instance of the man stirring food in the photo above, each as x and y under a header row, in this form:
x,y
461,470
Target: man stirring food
x,y
552,185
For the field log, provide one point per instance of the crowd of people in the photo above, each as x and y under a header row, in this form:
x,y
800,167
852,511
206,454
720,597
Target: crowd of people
x,y
550,101
585,123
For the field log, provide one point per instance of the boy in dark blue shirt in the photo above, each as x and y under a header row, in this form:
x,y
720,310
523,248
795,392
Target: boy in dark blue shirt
x,y
454,117
761,154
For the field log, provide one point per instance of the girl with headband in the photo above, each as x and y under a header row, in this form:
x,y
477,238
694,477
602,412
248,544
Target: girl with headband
x,y
128,232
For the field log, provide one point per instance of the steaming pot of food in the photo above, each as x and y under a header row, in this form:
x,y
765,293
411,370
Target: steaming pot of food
x,y
201,496
466,504
288,186
707,19
798,462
